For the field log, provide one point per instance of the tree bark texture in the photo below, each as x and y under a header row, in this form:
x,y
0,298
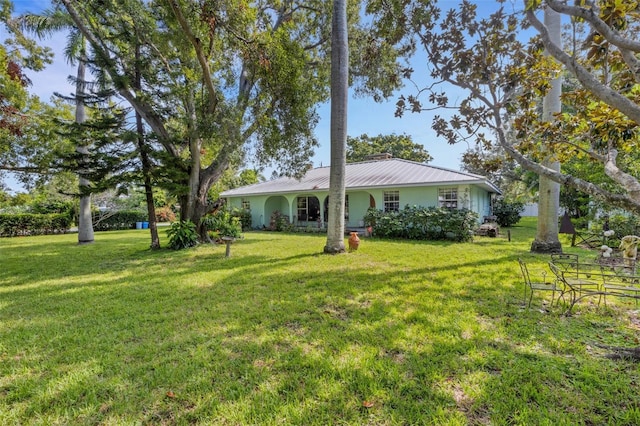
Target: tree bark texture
x,y
146,165
546,240
339,99
85,219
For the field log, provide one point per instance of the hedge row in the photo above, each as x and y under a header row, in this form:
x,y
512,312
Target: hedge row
x,y
423,223
12,225
125,219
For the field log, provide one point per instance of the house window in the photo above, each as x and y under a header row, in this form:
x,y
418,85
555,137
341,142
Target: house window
x,y
246,204
308,209
303,211
448,198
391,201
346,207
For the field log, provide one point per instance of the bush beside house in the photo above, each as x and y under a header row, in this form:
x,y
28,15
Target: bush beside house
x,y
423,223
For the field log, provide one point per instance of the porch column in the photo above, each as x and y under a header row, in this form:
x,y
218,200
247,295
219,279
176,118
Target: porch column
x,y
292,202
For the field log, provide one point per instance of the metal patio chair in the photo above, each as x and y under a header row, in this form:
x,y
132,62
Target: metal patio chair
x,y
583,281
534,285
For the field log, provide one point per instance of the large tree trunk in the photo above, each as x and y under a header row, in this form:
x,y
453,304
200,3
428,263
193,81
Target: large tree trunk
x,y
339,99
85,220
195,205
546,240
146,164
148,188
199,207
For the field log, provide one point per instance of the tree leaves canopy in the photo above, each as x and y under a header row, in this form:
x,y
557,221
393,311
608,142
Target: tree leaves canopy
x,y
399,146
504,76
225,81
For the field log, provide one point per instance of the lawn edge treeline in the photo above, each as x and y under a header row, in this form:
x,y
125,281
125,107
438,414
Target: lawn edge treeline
x,y
23,224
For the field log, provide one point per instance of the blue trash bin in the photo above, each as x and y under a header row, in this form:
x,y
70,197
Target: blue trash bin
x,y
138,225
145,225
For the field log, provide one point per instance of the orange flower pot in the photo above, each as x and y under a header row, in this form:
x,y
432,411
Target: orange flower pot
x,y
354,241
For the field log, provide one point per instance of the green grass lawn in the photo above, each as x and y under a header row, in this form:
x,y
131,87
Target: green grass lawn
x,y
397,333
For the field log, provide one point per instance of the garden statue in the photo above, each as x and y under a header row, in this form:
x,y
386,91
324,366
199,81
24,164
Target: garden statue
x,y
629,247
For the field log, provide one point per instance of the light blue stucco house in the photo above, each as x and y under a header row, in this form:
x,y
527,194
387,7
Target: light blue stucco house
x,y
385,184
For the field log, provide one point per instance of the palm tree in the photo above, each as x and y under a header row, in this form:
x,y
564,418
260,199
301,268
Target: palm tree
x,y
339,96
50,21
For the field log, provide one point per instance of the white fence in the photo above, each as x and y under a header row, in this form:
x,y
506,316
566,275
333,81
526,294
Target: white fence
x,y
530,209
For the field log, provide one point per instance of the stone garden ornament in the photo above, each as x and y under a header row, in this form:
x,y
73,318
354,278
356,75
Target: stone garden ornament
x,y
629,248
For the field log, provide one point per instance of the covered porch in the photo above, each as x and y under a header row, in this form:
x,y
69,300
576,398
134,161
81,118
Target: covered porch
x,y
308,211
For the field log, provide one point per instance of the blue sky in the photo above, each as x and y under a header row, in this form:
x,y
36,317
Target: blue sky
x,y
364,115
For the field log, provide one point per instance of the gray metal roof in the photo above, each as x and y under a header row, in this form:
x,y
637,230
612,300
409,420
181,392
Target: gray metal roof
x,y
389,173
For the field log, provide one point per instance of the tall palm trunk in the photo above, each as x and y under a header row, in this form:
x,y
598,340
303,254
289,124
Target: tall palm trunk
x,y
85,220
546,240
339,98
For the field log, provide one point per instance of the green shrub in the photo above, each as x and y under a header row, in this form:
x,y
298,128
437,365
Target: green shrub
x,y
182,235
33,224
54,206
111,221
581,222
620,224
507,213
222,224
624,225
423,223
279,222
244,216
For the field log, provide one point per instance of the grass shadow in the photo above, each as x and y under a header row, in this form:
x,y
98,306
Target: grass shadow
x,y
395,333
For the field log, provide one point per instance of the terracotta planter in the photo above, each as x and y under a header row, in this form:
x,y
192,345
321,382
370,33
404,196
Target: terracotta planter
x,y
354,241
